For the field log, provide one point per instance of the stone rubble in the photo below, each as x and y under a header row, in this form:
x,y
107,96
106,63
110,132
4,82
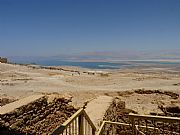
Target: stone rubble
x,y
37,118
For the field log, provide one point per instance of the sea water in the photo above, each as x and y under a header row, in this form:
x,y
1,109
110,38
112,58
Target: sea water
x,y
91,65
97,65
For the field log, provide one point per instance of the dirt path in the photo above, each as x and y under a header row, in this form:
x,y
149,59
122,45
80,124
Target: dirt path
x,y
97,108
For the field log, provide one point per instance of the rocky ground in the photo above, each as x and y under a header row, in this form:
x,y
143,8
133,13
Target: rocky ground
x,y
23,80
37,118
6,100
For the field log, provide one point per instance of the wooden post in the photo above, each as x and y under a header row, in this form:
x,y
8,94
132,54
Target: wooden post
x,y
93,131
81,125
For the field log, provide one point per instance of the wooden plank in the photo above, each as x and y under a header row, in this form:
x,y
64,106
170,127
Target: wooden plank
x,y
81,125
117,123
74,116
61,128
156,118
101,127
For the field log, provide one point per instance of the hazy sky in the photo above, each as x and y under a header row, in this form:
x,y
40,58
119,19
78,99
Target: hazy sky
x,y
52,27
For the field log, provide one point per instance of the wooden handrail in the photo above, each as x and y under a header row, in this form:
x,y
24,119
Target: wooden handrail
x,y
133,117
156,118
117,123
144,117
59,130
101,128
75,115
89,120
80,112
110,122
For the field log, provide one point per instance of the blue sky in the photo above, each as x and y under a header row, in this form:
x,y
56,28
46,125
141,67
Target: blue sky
x,y
54,27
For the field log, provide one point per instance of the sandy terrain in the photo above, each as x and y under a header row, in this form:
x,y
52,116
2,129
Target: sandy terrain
x,y
97,108
19,80
84,86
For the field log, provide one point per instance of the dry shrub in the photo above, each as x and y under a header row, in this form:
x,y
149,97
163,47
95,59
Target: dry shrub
x,y
104,74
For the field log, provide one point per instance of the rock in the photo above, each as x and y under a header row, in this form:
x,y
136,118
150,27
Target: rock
x,y
169,93
173,109
172,94
6,124
3,60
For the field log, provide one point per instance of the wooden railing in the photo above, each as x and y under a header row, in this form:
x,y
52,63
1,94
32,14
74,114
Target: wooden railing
x,y
111,128
78,124
142,125
151,125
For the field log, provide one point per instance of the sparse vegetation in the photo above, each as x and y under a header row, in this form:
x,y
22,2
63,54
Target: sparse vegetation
x,y
104,74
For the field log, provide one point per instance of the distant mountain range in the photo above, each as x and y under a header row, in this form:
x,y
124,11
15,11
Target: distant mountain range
x,y
105,56
123,55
